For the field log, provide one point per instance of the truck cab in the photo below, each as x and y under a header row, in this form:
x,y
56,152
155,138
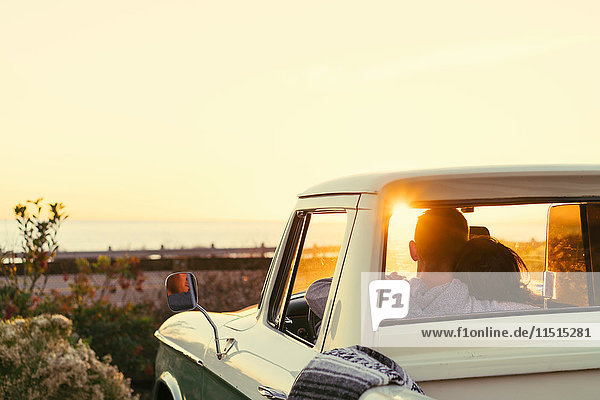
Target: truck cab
x,y
344,229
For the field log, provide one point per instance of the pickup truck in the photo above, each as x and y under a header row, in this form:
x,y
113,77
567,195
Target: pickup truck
x,y
549,215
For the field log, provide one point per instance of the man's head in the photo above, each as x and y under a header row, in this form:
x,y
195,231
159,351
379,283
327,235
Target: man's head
x,y
178,284
440,235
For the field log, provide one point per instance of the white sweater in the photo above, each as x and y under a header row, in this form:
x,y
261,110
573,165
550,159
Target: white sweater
x,y
448,299
451,298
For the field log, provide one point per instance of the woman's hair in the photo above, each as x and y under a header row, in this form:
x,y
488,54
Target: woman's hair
x,y
492,271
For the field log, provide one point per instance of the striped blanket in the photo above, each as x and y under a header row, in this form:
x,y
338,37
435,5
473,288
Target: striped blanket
x,y
347,373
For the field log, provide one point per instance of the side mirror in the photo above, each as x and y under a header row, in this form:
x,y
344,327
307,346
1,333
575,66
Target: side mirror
x,y
182,295
182,291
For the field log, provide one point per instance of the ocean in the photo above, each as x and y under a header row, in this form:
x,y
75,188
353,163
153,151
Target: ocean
x,y
136,235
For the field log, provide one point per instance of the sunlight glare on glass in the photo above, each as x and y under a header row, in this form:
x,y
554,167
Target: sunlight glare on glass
x,y
402,213
400,232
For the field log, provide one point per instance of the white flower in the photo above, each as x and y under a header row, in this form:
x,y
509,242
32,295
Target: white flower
x,y
45,364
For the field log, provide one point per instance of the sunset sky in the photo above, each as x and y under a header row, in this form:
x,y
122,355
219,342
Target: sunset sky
x,y
180,110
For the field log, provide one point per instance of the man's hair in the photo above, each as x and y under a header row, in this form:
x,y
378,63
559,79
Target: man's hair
x,y
440,235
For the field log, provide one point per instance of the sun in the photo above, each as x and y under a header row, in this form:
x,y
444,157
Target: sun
x,y
403,213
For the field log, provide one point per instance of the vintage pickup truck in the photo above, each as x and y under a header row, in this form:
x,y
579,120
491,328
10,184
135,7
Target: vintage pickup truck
x,y
341,229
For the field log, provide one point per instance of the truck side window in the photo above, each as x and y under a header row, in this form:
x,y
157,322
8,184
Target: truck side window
x,y
554,246
500,268
521,228
315,258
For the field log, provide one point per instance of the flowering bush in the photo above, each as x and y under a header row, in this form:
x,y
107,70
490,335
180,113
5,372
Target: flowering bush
x,y
126,333
38,241
31,351
124,273
98,281
21,295
123,332
40,359
14,301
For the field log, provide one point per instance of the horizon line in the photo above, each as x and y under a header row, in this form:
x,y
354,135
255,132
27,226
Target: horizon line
x,y
164,220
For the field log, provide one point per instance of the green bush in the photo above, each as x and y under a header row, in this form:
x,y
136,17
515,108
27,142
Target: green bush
x,y
126,333
40,359
15,301
38,241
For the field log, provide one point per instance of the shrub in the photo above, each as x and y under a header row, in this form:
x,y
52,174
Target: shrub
x,y
126,333
14,301
40,359
124,273
38,240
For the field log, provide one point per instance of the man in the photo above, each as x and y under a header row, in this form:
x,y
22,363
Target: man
x,y
440,238
440,235
177,283
179,295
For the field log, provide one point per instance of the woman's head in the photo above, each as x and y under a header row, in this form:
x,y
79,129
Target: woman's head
x,y
491,270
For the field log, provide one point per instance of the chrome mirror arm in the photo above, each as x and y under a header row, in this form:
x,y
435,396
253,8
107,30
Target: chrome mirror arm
x,y
229,342
271,393
182,295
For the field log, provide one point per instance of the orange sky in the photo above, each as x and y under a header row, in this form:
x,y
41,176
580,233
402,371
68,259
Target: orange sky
x,y
144,110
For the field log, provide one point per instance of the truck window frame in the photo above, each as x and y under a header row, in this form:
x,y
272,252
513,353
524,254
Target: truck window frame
x,y
481,203
294,245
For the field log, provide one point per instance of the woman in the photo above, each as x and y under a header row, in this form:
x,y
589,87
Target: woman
x,y
492,271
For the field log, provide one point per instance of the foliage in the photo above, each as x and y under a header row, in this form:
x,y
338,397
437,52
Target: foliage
x,y
123,334
99,280
40,359
126,333
14,301
229,290
38,241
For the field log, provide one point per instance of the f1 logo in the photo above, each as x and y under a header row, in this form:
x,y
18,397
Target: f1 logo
x,y
389,300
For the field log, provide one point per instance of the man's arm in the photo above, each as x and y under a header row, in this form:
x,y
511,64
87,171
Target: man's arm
x,y
316,296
